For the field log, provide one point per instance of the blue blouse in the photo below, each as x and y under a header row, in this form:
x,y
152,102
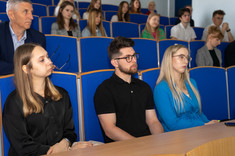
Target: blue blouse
x,y
168,116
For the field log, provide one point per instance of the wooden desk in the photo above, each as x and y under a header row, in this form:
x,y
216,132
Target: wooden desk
x,y
177,142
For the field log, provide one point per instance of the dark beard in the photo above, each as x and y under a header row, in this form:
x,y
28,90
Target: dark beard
x,y
129,71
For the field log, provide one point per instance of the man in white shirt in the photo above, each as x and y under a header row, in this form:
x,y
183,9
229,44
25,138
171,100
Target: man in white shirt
x,y
217,18
183,30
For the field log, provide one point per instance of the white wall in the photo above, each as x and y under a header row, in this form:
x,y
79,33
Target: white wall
x,y
203,10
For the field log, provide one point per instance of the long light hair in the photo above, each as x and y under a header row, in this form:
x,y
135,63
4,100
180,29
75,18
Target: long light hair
x,y
23,81
167,74
119,14
148,27
91,6
91,22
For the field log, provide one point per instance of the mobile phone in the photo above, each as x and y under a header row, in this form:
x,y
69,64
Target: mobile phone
x,y
229,123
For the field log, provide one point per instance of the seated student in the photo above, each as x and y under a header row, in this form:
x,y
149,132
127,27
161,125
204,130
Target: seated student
x,y
64,24
123,13
229,55
183,31
95,4
151,7
176,96
76,15
124,104
209,55
191,20
152,29
135,7
37,116
94,24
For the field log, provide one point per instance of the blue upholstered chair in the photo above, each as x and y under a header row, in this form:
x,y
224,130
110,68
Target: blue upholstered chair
x,y
39,9
63,51
222,48
45,2
164,20
83,4
150,76
211,82
199,32
106,25
109,14
51,9
168,31
82,24
144,10
94,53
3,6
3,17
194,46
88,82
125,29
138,18
81,11
173,20
147,50
46,22
109,7
164,44
231,90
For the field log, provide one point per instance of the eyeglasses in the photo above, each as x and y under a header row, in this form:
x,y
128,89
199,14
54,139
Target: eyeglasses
x,y
129,58
64,63
182,57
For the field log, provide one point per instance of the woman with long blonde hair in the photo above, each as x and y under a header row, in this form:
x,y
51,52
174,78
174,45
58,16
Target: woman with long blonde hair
x,y
176,96
95,4
37,116
152,28
94,24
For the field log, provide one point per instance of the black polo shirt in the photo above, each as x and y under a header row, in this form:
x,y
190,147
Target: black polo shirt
x,y
128,101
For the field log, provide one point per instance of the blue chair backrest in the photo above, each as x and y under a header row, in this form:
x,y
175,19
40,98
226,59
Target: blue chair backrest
x,y
125,29
39,9
45,2
82,24
3,6
164,44
211,82
199,32
6,87
164,20
168,31
222,48
231,90
148,53
138,18
51,10
56,2
144,10
109,7
83,4
3,17
94,53
88,84
81,11
173,20
46,23
109,14
194,46
35,23
150,76
106,25
64,46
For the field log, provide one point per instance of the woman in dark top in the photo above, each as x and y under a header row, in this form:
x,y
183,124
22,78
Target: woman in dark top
x,y
65,24
37,116
209,55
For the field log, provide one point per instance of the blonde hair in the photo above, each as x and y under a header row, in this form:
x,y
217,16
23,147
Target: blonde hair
x,y
23,81
215,32
91,22
167,74
91,6
148,27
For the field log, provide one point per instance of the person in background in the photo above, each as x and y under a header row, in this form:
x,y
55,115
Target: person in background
x,y
123,13
95,4
191,20
17,32
65,24
209,55
124,104
217,19
76,15
152,28
176,96
94,24
135,7
38,116
151,7
183,31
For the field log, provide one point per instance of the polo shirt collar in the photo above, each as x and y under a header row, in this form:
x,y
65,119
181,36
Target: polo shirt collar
x,y
121,81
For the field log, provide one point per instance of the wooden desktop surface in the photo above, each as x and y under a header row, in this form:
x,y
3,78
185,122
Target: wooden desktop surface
x,y
177,142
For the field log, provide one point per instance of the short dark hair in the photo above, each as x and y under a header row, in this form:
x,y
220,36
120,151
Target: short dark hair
x,y
219,12
182,11
118,43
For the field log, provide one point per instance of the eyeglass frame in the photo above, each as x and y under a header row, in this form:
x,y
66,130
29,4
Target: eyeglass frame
x,y
136,55
189,58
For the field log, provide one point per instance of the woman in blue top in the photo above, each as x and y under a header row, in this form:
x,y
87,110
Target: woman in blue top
x,y
176,96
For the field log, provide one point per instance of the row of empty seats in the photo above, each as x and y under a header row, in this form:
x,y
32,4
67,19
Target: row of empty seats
x,y
216,87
